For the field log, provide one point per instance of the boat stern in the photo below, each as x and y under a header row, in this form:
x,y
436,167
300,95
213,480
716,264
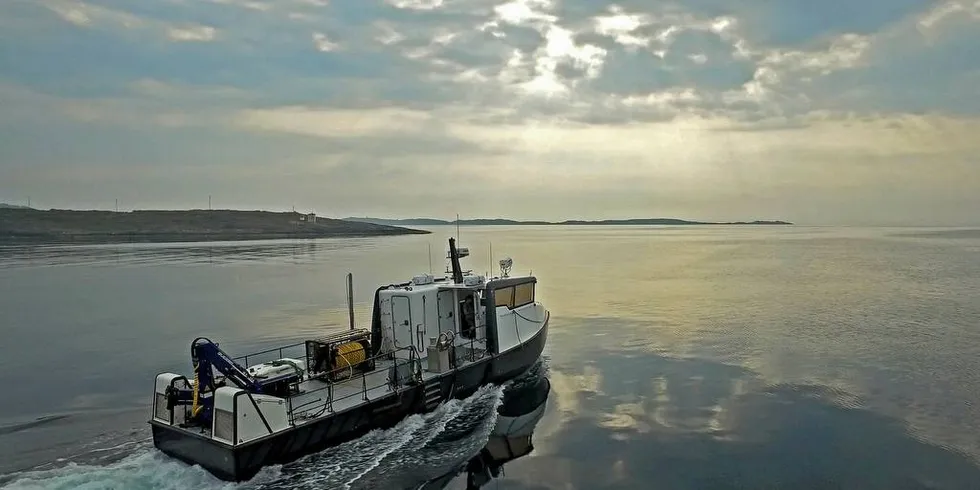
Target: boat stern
x,y
197,449
238,418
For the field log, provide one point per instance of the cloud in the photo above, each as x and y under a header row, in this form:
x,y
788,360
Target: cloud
x,y
334,123
919,63
86,15
629,107
73,15
323,44
793,22
258,5
622,26
416,4
192,33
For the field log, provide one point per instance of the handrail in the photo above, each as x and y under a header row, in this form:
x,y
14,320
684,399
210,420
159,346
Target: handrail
x,y
244,358
303,411
279,350
290,346
325,403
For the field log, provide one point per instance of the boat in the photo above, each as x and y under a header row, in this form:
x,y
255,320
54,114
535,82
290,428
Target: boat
x,y
522,408
430,340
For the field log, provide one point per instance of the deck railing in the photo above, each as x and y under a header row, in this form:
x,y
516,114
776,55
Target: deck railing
x,y
472,343
411,368
327,398
278,350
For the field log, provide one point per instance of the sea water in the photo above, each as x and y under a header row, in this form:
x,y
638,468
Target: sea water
x,y
679,357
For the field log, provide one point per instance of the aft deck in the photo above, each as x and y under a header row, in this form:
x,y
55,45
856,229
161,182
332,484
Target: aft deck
x,y
318,397
322,395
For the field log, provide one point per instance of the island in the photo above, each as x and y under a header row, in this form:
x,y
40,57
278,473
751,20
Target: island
x,y
19,225
510,222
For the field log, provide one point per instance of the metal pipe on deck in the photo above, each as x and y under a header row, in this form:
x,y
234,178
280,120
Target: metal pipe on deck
x,y
350,298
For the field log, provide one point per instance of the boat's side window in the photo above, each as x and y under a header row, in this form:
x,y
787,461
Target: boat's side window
x,y
523,294
504,297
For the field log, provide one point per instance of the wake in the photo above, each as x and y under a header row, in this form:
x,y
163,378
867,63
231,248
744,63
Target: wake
x,y
436,440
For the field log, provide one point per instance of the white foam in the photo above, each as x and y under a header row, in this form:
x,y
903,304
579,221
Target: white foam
x,y
460,437
348,465
146,468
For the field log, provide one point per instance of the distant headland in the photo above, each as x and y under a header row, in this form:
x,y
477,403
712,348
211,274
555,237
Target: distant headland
x,y
26,225
509,222
21,224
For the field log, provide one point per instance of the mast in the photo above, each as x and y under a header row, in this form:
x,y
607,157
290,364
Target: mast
x,y
454,258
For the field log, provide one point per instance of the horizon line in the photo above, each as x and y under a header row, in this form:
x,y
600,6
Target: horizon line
x,y
451,221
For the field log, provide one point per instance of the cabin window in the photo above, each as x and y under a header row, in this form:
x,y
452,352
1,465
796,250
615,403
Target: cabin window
x,y
515,296
523,294
504,297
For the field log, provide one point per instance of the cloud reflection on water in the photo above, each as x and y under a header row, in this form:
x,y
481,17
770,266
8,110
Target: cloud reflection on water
x,y
627,419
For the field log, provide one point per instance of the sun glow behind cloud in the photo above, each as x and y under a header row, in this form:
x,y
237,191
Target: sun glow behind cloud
x,y
855,113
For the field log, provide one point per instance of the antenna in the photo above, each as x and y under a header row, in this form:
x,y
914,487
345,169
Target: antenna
x,y
430,257
457,227
491,258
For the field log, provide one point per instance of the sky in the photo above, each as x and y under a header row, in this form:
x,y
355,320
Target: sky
x,y
818,112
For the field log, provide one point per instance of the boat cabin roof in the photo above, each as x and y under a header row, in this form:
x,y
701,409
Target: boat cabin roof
x,y
471,282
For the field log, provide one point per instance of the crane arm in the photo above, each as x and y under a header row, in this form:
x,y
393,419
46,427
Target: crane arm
x,y
205,355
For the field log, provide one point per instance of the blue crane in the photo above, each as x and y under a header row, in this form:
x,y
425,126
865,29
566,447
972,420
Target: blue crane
x,y
207,358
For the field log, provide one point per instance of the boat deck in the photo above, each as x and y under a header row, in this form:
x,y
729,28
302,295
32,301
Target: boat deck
x,y
320,397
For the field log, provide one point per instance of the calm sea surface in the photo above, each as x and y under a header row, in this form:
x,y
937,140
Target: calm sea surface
x,y
679,358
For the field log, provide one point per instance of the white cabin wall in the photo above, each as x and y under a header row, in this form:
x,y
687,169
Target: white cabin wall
x,y
419,307
431,318
387,331
447,312
418,325
481,317
436,311
400,311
